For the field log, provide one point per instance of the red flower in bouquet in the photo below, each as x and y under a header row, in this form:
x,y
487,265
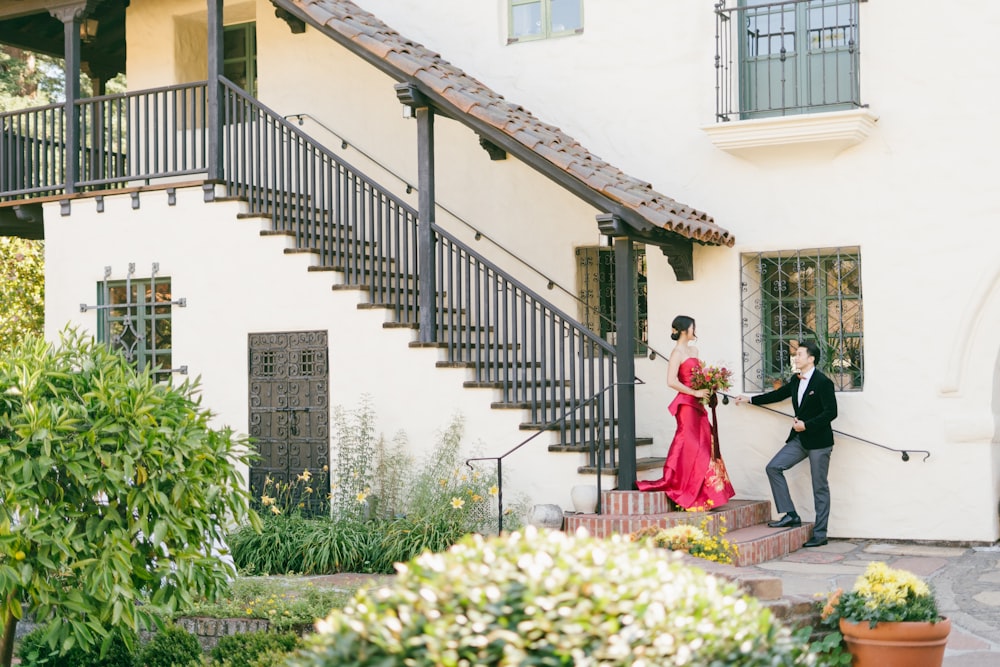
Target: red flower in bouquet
x,y
713,378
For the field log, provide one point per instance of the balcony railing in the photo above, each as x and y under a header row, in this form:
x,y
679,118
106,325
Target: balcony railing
x,y
784,58
130,137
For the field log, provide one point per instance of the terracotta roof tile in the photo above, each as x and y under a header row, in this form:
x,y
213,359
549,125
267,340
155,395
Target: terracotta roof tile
x,y
472,97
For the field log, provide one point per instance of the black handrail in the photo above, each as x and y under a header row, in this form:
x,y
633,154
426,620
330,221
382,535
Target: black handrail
x,y
561,418
904,452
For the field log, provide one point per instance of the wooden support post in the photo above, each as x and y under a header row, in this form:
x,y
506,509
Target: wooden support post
x,y
214,92
409,95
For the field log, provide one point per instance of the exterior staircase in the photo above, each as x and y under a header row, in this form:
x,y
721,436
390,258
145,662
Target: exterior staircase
x,y
744,522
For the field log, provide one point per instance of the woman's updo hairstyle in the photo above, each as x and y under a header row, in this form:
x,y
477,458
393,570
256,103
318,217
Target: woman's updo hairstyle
x,y
680,323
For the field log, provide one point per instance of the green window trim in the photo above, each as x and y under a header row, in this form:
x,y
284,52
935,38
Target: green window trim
x,y
799,56
794,295
239,55
596,291
134,317
529,20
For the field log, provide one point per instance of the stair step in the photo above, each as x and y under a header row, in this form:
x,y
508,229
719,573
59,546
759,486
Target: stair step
x,y
733,516
499,384
646,463
745,522
760,543
486,364
570,423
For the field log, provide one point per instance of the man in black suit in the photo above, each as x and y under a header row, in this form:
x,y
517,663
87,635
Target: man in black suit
x,y
815,406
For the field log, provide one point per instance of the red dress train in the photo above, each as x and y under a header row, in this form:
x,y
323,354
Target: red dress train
x,y
692,475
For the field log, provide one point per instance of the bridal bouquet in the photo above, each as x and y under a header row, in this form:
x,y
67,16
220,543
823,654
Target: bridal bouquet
x,y
713,378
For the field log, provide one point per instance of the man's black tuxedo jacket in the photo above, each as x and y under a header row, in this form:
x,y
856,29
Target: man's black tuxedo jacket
x,y
818,409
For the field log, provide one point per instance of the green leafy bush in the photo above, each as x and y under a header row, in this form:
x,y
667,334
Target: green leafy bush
x,y
115,489
246,650
35,650
547,598
173,646
384,509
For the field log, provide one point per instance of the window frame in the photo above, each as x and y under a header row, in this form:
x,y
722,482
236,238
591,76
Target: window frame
x,y
545,18
793,295
249,57
147,311
597,308
805,58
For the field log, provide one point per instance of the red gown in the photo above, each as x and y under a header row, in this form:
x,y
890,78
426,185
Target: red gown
x,y
692,477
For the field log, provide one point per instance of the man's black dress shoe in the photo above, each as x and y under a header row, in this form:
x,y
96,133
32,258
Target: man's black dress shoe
x,y
813,542
786,521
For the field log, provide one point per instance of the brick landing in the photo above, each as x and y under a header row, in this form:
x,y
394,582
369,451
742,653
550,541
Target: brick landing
x,y
745,522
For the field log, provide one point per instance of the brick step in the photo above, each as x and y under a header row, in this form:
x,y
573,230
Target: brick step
x,y
745,522
734,515
760,543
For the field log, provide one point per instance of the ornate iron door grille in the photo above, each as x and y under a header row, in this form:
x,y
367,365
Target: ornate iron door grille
x,y
290,419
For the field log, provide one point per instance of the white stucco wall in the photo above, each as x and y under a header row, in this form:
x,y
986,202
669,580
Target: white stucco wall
x,y
636,88
237,283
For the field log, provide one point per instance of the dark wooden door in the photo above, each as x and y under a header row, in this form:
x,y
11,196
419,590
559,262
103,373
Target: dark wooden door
x,y
290,419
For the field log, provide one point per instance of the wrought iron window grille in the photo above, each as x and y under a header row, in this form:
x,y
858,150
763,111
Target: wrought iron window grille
x,y
130,324
788,296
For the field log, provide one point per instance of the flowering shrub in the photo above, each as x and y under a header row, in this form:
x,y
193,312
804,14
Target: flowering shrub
x,y
713,378
548,598
883,594
695,540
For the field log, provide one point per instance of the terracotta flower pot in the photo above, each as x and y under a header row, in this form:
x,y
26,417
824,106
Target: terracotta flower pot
x,y
902,644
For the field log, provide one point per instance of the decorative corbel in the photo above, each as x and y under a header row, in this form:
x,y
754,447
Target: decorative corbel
x,y
494,151
295,24
410,95
680,255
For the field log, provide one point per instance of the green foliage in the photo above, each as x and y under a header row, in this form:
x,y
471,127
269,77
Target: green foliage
x,y
883,594
34,649
286,602
173,646
247,649
114,490
383,512
551,599
830,651
22,290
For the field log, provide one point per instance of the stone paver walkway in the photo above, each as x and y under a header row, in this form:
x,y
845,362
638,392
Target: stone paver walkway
x,y
966,581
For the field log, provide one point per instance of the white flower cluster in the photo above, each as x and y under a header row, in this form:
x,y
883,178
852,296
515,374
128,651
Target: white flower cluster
x,y
539,597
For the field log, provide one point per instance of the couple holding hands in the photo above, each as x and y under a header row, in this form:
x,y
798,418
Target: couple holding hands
x,y
694,475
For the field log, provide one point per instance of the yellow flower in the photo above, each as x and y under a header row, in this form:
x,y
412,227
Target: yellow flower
x,y
476,498
266,500
361,497
457,503
309,489
275,510
19,555
305,476
494,490
443,482
326,468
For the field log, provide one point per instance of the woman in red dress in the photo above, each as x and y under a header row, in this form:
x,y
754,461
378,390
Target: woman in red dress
x,y
692,476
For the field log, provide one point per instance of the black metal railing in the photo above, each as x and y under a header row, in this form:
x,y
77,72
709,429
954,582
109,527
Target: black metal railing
x,y
127,137
32,155
538,356
789,57
514,340
355,225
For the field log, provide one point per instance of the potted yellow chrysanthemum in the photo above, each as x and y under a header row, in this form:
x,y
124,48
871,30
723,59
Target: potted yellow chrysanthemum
x,y
890,618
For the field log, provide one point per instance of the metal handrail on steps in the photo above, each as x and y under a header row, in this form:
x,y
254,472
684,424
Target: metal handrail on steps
x,y
904,452
499,459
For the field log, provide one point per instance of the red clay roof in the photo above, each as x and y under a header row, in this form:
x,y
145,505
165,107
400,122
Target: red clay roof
x,y
411,61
